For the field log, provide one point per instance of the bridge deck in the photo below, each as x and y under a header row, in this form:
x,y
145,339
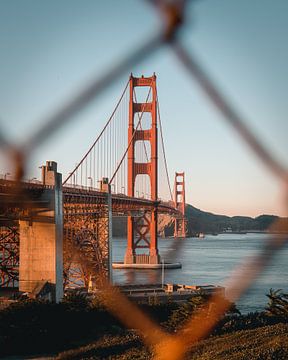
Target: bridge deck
x,y
32,195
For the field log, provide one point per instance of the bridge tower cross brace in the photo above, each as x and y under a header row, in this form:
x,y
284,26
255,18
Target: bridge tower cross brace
x,y
179,199
146,224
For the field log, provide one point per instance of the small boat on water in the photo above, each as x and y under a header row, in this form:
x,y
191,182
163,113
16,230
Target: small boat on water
x,y
200,235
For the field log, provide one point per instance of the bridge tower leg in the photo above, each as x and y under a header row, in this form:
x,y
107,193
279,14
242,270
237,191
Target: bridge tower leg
x,y
179,199
147,224
41,240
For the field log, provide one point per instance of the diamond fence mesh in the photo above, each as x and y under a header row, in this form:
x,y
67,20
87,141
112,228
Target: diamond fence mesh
x,y
164,345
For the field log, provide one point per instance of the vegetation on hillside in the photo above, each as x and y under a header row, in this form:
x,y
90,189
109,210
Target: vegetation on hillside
x,y
266,343
202,221
35,327
278,304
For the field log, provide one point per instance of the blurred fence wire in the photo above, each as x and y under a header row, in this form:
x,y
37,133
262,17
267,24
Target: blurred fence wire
x,y
164,345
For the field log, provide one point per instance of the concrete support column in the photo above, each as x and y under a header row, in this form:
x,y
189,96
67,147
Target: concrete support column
x,y
41,240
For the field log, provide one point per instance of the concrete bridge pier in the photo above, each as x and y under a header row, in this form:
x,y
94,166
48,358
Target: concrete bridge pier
x,y
41,241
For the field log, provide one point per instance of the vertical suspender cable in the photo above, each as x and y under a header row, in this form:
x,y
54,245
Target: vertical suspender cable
x,y
100,135
163,147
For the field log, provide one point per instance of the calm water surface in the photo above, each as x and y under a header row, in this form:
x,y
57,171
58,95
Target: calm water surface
x,y
210,261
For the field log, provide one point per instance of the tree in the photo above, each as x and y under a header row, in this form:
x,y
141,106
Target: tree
x,y
278,303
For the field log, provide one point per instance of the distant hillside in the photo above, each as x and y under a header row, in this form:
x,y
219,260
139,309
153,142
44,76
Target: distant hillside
x,y
202,221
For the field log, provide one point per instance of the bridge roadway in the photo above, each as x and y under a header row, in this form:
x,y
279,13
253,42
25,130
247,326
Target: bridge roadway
x,y
17,201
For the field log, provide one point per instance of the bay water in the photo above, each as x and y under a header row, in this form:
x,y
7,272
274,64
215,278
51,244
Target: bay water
x,y
210,261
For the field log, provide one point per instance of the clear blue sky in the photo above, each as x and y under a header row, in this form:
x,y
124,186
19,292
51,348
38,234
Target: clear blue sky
x,y
50,49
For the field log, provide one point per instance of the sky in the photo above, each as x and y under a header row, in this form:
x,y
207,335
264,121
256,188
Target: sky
x,y
52,49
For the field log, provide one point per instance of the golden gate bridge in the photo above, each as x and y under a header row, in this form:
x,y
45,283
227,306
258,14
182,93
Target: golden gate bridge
x,y
59,232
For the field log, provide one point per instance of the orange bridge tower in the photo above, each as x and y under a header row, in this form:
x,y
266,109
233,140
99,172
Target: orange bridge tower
x,y
139,229
179,199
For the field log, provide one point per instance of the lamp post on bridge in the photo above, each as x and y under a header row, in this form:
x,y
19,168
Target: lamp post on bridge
x,y
5,175
72,178
91,181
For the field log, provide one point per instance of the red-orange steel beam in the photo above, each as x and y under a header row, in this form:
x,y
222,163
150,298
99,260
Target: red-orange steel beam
x,y
150,169
179,199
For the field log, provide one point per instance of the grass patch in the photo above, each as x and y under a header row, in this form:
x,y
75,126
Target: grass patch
x,y
265,343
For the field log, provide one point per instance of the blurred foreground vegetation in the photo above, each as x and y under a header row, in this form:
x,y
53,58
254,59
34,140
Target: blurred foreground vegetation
x,y
81,328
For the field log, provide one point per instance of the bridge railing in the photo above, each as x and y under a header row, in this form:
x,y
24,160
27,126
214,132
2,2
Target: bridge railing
x,y
82,187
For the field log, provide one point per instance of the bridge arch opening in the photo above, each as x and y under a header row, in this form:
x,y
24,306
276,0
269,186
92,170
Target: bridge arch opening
x,y
146,120
141,94
143,186
142,151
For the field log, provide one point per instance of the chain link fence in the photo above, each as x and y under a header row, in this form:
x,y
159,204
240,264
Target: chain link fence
x,y
164,345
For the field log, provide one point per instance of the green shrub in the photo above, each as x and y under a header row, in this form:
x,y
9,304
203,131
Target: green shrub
x,y
37,327
184,311
278,303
